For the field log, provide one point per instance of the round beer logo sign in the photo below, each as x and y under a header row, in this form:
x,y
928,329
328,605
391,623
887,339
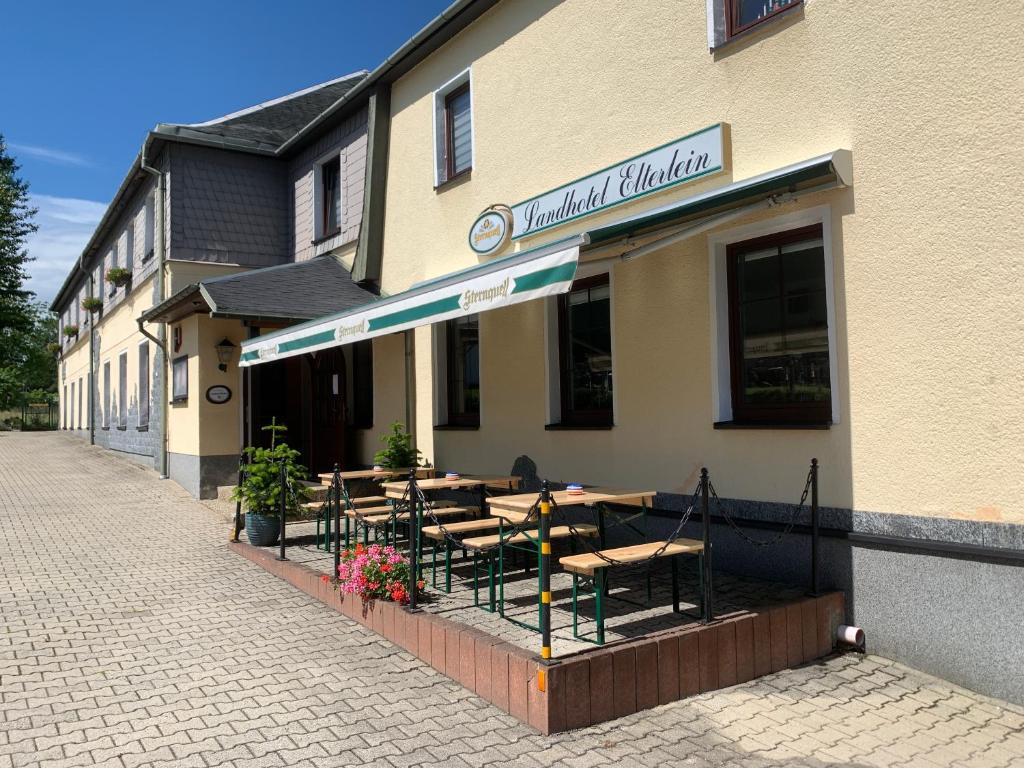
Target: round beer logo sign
x,y
490,232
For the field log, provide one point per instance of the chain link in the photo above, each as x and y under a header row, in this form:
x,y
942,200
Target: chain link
x,y
585,540
787,529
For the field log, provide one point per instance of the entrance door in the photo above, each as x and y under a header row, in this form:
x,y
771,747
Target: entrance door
x,y
328,411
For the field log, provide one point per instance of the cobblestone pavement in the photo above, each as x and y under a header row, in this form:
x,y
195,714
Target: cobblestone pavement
x,y
131,636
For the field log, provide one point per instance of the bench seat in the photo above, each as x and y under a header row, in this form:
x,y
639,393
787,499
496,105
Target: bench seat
x,y
404,516
557,532
466,526
587,563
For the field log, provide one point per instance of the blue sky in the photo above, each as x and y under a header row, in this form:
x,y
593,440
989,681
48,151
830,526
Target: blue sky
x,y
86,80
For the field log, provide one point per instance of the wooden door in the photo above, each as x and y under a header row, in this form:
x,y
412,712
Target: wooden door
x,y
328,412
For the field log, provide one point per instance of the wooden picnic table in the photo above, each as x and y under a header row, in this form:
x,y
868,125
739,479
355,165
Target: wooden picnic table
x,y
370,474
515,508
396,489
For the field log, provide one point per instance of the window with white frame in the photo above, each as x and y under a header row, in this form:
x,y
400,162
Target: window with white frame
x,y
143,385
327,198
111,264
453,129
106,395
122,390
149,240
773,310
129,246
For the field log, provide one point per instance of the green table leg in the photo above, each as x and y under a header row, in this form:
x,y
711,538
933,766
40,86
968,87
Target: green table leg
x,y
447,565
599,603
575,614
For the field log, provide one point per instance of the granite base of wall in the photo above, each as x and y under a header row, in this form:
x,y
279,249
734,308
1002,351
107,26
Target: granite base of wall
x,y
201,475
593,686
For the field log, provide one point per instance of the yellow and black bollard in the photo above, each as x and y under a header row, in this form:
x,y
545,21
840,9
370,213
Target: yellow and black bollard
x,y
544,532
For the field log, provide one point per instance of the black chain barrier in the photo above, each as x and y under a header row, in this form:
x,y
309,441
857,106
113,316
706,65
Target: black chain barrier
x,y
676,534
786,530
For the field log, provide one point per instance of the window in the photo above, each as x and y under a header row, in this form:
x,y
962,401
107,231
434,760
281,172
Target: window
x,y
330,198
778,329
179,380
122,390
112,262
362,379
150,228
106,395
64,411
585,353
744,14
143,384
80,419
458,132
462,359
129,247
453,129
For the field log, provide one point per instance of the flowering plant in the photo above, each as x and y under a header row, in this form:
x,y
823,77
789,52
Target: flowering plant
x,y
375,573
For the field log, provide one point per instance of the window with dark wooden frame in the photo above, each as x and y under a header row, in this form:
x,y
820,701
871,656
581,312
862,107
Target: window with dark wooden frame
x,y
106,395
330,198
122,390
745,14
458,123
778,329
462,339
143,385
585,353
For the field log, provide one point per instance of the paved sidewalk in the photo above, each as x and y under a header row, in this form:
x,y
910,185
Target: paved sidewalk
x,y
131,636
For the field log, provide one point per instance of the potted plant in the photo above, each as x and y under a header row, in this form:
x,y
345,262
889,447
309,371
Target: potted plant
x,y
119,276
92,304
70,330
398,452
260,489
53,347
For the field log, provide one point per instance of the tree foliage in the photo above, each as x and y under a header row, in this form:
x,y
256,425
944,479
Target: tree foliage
x,y
26,326
16,224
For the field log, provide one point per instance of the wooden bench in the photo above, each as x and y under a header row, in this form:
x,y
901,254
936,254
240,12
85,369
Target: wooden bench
x,y
487,545
593,566
440,535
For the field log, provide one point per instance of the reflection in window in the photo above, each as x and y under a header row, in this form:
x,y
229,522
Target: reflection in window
x,y
779,328
585,348
463,357
330,188
744,14
459,149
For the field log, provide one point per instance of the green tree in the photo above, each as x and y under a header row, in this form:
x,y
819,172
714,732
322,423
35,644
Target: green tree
x,y
16,224
25,362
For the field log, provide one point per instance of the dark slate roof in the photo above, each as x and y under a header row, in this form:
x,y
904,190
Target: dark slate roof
x,y
272,123
300,291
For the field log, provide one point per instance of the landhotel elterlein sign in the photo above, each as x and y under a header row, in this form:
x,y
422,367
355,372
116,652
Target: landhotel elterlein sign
x,y
692,157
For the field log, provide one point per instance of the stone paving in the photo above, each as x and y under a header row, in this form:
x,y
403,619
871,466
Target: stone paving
x,y
131,636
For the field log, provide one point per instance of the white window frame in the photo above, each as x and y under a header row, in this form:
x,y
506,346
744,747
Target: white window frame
x,y
318,192
552,367
138,384
721,378
440,165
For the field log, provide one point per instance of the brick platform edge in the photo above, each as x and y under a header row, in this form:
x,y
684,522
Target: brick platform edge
x,y
593,686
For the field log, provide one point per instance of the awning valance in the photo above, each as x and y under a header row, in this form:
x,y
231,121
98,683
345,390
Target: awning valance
x,y
545,271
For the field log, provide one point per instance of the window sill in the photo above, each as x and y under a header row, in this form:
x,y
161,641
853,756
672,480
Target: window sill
x,y
144,428
121,428
458,178
751,31
325,238
179,401
770,425
105,429
570,427
456,427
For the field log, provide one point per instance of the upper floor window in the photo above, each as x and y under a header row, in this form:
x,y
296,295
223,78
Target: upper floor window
x,y
149,239
330,198
453,129
129,246
585,353
744,14
778,328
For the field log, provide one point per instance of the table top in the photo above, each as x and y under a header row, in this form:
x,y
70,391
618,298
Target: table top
x,y
369,474
439,483
514,508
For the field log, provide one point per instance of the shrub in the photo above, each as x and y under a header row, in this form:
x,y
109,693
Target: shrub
x,y
70,330
119,276
260,489
92,304
398,453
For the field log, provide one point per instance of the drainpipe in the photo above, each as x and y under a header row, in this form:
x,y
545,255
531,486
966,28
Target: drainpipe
x,y
92,359
161,342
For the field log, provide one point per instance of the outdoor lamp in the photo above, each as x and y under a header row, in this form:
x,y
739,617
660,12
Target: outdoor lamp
x,y
225,351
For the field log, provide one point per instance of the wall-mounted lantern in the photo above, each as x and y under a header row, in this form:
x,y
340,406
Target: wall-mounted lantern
x,y
225,352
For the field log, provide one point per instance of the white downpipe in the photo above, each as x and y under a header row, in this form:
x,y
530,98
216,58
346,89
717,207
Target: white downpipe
x,y
850,636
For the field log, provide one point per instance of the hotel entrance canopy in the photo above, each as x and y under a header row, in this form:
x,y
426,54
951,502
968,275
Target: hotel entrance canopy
x,y
549,270
533,274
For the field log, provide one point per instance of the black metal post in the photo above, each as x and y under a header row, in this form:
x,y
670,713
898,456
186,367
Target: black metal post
x,y
814,529
705,514
284,506
336,491
237,529
413,496
545,582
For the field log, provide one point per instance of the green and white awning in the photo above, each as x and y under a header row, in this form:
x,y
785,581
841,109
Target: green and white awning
x,y
533,274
